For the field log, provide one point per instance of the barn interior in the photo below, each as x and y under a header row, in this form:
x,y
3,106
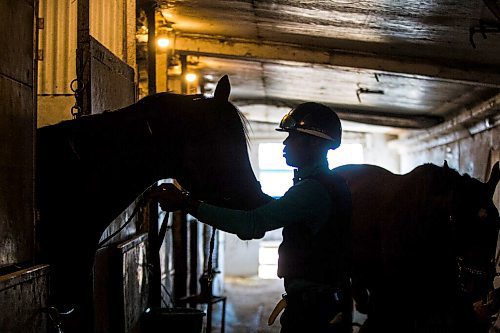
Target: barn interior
x,y
413,82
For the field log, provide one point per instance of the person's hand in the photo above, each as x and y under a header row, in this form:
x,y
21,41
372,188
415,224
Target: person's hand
x,y
169,197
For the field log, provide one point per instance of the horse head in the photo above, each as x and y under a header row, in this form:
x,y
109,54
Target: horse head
x,y
212,149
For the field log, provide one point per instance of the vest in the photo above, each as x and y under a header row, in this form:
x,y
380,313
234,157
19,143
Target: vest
x,y
323,257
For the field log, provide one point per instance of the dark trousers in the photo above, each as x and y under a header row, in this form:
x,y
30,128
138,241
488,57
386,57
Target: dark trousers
x,y
311,312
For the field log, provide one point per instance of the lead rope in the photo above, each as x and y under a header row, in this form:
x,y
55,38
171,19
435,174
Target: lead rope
x,y
207,277
143,199
210,268
137,207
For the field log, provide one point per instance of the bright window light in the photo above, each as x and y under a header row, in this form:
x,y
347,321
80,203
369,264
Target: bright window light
x,y
271,157
268,259
276,182
275,175
347,153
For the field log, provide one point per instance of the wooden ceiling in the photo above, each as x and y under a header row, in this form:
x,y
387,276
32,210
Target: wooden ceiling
x,y
408,64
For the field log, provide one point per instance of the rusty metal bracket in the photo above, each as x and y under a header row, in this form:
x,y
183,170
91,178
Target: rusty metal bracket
x,y
361,90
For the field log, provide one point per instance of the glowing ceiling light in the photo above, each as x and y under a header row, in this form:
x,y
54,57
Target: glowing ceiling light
x,y
163,42
191,77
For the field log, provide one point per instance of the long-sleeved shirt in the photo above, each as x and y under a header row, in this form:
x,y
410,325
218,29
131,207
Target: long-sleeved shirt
x,y
307,200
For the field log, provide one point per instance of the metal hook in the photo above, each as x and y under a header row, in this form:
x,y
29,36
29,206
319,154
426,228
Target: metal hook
x,y
482,28
55,317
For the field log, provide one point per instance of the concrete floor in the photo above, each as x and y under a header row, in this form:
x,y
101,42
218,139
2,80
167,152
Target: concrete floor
x,y
249,304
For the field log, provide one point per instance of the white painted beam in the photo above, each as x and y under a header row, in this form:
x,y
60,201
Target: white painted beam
x,y
415,121
246,49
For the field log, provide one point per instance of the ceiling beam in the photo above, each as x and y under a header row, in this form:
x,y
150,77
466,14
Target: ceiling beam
x,y
470,121
360,116
246,49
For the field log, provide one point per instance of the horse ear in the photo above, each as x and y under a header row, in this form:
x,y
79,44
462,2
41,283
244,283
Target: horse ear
x,y
446,164
223,89
494,177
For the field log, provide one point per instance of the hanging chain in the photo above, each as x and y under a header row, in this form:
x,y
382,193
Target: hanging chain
x,y
76,87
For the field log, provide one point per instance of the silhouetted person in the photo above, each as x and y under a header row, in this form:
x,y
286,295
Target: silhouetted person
x,y
315,255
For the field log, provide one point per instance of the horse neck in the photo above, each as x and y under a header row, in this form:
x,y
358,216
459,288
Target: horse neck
x,y
254,195
434,187
118,158
250,195
150,158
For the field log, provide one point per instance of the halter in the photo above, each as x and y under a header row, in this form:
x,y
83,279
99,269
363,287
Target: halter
x,y
466,272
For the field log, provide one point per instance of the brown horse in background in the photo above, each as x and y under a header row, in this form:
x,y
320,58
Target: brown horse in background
x,y
423,248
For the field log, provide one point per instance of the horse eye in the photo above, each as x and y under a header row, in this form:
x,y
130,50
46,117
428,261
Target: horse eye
x,y
483,214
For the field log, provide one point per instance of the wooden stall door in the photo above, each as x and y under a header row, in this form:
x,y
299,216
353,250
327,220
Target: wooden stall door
x,y
110,86
109,83
23,292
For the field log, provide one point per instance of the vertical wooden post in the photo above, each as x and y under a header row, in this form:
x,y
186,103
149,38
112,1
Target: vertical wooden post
x,y
150,9
180,254
83,68
167,55
154,257
183,59
193,257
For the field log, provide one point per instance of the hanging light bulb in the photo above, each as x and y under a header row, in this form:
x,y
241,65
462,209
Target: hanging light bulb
x,y
191,77
163,42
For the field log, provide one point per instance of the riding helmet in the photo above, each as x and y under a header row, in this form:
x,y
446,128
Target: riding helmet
x,y
314,119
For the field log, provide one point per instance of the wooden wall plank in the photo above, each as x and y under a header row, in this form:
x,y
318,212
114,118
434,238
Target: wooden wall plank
x,y
17,123
23,295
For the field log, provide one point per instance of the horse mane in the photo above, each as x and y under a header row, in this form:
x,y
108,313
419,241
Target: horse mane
x,y
444,173
110,115
140,110
245,123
